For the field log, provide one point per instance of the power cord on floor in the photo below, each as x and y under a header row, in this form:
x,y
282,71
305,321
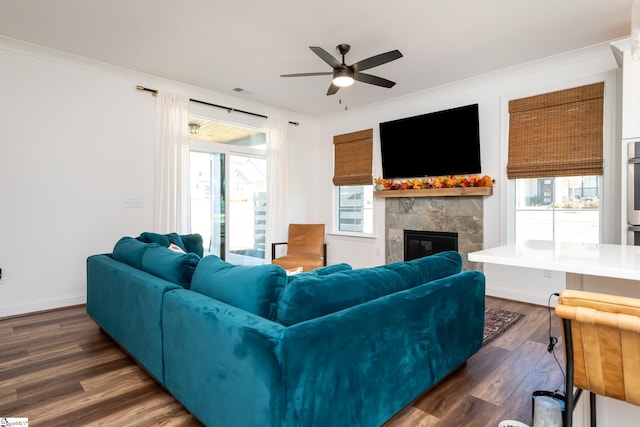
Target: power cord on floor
x,y
553,341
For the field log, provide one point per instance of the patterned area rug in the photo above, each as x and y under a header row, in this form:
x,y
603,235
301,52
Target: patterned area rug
x,y
497,321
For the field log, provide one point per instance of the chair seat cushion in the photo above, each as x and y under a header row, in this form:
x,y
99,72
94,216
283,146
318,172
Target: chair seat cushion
x,y
293,261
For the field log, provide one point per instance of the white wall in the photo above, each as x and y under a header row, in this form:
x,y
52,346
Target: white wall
x,y
492,92
75,144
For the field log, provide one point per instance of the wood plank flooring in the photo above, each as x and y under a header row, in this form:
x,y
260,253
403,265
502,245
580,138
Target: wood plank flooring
x,y
58,369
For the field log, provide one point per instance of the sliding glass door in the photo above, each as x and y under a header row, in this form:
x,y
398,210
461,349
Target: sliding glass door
x,y
208,204
247,209
229,193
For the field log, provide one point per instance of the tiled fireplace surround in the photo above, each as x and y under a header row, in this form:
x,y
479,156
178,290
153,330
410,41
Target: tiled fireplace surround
x,y
462,214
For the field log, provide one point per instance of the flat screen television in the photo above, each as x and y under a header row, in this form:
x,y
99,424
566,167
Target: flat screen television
x,y
435,144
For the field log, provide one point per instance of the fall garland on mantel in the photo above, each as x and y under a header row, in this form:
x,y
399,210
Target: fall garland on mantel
x,y
452,181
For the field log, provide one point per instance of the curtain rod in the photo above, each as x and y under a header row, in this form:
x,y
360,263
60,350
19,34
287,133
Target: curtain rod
x,y
229,109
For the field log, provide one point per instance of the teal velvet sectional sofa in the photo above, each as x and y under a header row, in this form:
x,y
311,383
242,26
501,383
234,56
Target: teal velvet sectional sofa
x,y
251,346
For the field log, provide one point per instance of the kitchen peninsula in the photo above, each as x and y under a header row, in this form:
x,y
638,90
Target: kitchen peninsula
x,y
605,260
604,268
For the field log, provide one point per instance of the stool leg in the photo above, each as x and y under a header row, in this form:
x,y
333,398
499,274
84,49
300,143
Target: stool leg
x,y
570,398
592,408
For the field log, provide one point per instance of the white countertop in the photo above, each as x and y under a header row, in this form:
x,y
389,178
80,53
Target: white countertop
x,y
619,261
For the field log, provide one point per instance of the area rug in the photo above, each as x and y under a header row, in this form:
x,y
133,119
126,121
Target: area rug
x,y
497,321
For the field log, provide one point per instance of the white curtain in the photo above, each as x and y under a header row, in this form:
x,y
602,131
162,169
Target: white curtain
x,y
277,181
171,212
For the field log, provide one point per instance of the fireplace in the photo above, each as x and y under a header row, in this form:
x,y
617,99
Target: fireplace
x,y
464,215
419,243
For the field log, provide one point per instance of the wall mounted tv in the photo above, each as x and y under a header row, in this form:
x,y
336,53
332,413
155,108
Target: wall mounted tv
x,y
435,144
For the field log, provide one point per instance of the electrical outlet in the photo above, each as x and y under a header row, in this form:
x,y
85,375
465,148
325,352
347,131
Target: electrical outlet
x,y
133,202
547,274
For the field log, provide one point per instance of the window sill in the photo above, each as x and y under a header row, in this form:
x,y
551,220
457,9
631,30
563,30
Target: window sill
x,y
352,234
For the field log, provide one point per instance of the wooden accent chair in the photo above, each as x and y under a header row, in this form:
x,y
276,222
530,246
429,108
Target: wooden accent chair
x,y
306,247
602,348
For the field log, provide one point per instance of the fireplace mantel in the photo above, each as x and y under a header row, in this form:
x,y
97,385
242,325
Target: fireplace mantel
x,y
436,192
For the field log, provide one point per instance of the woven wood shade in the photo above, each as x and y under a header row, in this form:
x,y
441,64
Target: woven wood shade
x,y
557,134
353,158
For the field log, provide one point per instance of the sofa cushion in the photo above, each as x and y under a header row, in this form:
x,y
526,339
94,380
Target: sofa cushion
x,y
129,251
313,296
163,239
322,271
254,288
169,265
428,268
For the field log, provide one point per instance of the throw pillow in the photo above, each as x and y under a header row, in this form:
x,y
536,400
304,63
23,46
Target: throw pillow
x,y
170,265
176,248
163,239
254,288
428,268
322,271
437,266
311,296
129,251
193,243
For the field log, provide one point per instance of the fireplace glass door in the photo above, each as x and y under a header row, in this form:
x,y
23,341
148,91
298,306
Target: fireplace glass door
x,y
418,244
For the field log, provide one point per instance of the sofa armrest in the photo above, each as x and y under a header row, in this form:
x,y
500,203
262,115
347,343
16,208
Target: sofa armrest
x,y
369,361
222,363
124,301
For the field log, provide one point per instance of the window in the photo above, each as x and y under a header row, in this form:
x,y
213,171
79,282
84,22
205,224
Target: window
x,y
352,175
556,161
560,209
355,209
228,190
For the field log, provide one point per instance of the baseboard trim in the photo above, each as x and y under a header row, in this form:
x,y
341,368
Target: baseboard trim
x,y
41,305
522,296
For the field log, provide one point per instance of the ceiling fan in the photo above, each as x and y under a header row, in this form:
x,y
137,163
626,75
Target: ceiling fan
x,y
344,75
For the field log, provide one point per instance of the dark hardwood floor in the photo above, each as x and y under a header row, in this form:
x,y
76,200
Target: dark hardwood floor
x,y
58,369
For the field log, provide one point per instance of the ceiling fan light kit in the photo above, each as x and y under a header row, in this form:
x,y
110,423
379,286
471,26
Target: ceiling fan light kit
x,y
344,75
343,78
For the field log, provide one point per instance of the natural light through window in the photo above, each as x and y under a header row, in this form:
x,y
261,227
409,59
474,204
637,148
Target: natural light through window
x,y
559,209
355,209
229,190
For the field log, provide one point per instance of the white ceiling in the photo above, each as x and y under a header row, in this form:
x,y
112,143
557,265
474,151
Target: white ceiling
x,y
222,45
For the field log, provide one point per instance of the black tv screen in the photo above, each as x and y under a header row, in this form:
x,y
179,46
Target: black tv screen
x,y
435,144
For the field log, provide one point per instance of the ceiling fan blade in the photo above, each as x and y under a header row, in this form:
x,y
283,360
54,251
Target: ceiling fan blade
x,y
374,80
321,73
332,89
374,61
326,56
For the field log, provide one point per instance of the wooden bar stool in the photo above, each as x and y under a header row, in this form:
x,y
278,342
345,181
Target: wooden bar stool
x,y
602,348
